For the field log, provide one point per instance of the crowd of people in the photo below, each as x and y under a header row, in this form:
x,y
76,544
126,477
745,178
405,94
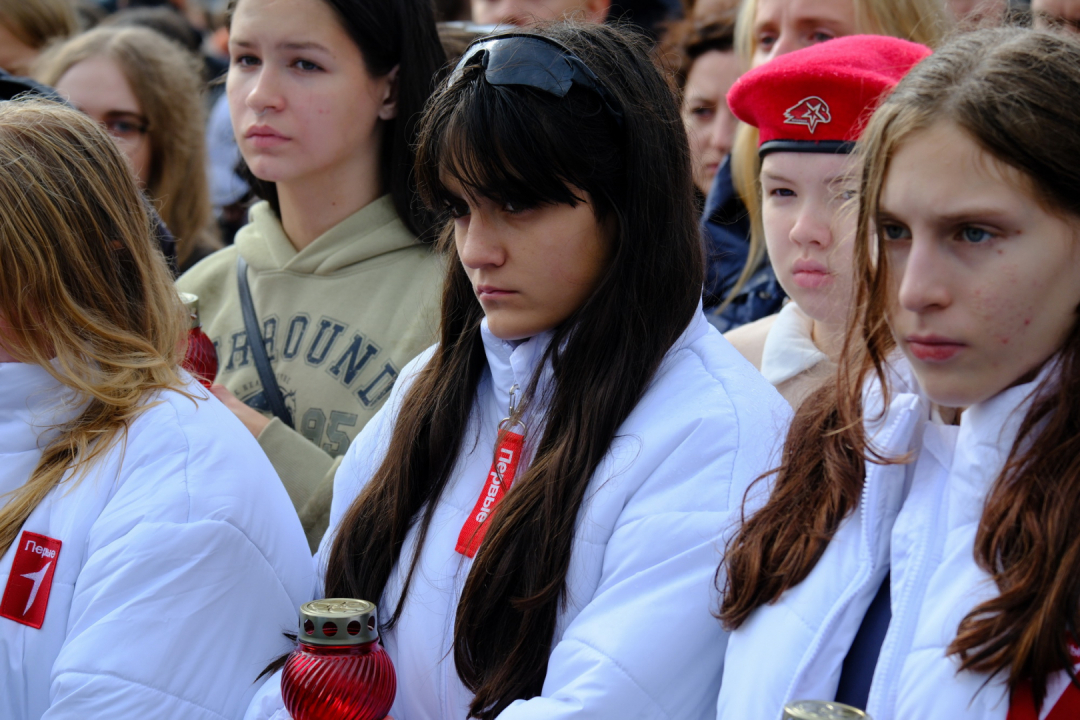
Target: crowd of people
x,y
636,359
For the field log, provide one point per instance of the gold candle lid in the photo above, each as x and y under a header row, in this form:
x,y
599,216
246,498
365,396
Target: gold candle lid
x,y
191,304
338,621
822,710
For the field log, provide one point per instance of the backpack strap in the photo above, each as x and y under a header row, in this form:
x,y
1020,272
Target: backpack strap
x,y
271,390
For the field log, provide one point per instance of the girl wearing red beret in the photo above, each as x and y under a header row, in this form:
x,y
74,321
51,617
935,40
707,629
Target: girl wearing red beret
x,y
740,286
918,554
809,107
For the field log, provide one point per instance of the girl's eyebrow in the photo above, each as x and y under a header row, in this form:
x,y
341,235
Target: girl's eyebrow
x,y
287,45
303,45
773,175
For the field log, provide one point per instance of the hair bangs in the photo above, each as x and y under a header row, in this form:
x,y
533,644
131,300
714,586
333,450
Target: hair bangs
x,y
500,143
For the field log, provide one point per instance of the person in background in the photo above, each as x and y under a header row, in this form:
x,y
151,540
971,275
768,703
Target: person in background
x,y
324,97
970,14
528,12
172,24
809,107
27,26
146,91
571,337
918,555
149,561
1056,15
701,55
767,29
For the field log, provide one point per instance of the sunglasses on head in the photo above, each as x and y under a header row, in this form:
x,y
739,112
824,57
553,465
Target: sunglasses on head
x,y
533,61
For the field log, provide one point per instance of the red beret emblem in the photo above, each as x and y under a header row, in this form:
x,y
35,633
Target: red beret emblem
x,y
810,112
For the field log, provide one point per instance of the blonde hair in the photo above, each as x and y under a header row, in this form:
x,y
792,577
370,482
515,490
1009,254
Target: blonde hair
x,y
36,22
921,21
165,79
85,291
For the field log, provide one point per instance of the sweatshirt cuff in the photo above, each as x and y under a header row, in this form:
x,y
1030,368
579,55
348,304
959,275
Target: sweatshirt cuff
x,y
299,463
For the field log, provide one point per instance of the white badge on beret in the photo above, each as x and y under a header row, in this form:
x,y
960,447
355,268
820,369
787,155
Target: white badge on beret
x,y
811,112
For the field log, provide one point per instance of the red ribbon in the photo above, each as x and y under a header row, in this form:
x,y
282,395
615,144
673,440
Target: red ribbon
x,y
499,480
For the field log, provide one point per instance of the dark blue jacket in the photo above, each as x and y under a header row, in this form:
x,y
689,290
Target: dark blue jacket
x,y
726,230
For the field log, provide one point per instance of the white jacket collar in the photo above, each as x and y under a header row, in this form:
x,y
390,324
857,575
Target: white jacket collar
x,y
514,363
789,349
31,402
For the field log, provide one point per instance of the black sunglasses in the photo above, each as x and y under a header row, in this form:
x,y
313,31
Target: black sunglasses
x,y
536,62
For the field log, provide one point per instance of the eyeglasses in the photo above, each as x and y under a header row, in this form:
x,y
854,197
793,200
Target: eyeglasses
x,y
533,61
126,126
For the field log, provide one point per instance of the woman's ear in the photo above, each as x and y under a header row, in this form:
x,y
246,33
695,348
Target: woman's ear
x,y
389,108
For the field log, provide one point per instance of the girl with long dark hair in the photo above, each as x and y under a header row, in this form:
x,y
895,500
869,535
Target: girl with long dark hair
x,y
535,509
918,555
331,275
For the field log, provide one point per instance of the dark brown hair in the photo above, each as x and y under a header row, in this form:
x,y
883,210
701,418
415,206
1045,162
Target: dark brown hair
x,y
1010,90
687,40
515,144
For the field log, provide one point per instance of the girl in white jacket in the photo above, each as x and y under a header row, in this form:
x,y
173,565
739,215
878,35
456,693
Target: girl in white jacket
x,y
569,578
918,555
149,558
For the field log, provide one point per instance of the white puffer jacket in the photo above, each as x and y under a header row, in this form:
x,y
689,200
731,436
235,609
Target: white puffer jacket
x,y
638,638
919,521
163,579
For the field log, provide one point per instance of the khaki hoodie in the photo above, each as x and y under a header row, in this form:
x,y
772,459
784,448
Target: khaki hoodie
x,y
340,319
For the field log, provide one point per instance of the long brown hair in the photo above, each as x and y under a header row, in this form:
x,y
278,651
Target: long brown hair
x,y
166,80
921,21
1010,91
84,290
514,144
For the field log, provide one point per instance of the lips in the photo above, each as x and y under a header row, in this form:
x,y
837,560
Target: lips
x,y
490,292
810,274
933,348
263,136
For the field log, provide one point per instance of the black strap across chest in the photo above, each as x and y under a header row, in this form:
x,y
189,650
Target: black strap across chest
x,y
271,390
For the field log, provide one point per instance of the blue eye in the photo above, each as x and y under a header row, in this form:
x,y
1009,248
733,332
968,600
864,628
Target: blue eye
x,y
782,192
306,65
975,235
892,231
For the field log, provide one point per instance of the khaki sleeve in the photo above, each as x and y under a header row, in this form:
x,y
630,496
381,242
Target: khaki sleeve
x,y
306,471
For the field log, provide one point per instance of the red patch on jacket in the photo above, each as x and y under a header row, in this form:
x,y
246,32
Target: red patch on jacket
x,y
1065,707
26,596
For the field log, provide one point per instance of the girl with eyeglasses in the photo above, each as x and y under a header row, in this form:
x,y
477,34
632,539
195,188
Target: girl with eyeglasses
x,y
147,93
539,507
920,537
330,289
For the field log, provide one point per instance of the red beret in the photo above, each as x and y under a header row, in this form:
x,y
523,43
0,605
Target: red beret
x,y
819,98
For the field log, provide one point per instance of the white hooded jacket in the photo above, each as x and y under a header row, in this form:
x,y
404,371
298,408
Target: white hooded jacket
x,y
637,638
917,521
168,573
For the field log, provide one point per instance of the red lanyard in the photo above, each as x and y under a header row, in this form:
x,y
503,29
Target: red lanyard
x,y
499,480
